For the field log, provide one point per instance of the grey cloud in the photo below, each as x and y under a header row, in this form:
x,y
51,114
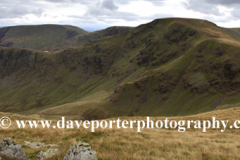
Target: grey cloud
x,y
234,4
18,11
211,6
37,12
70,1
236,13
107,14
226,3
109,4
51,1
223,2
201,6
103,14
108,10
6,1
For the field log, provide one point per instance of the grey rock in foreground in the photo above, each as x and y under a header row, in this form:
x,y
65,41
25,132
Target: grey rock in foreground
x,y
48,154
12,150
80,151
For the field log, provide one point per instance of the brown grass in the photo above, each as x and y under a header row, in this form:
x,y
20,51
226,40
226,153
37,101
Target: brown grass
x,y
150,144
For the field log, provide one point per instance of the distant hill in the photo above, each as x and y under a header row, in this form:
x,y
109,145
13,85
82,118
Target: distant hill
x,y
92,36
167,67
51,37
235,32
40,37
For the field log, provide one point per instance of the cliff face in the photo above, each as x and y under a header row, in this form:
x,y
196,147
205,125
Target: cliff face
x,y
166,67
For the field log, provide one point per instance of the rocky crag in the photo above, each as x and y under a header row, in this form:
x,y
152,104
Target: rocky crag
x,y
79,151
11,150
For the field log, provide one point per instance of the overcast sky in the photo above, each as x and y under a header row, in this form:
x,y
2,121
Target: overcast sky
x,y
98,14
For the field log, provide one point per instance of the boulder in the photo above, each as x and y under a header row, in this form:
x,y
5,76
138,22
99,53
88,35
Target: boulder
x,y
38,144
12,150
35,144
80,151
48,154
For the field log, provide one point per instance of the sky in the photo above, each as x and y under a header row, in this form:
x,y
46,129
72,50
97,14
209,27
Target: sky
x,y
94,15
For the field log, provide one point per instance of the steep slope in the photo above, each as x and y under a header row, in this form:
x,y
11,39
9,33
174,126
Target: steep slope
x,y
199,71
166,67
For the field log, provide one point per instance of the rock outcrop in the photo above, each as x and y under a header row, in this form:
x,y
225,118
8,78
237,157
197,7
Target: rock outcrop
x,y
11,150
39,144
80,151
48,154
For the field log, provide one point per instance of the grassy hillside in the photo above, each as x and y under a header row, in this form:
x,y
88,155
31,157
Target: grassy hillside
x,y
52,37
41,37
154,144
167,67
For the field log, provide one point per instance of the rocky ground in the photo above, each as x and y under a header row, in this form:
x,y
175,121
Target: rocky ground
x,y
81,150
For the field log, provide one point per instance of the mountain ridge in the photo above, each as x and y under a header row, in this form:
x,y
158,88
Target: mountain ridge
x,y
167,67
